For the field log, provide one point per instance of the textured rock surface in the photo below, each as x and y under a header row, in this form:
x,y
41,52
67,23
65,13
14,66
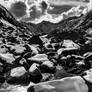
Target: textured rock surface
x,y
7,57
39,58
72,84
18,71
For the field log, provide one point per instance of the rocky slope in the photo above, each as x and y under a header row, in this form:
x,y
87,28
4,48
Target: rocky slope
x,y
46,56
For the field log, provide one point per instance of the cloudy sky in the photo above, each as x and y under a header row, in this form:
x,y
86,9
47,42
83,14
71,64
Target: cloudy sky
x,y
35,8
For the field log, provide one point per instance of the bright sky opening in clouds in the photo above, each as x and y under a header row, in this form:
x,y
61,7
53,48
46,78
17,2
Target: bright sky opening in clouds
x,y
34,9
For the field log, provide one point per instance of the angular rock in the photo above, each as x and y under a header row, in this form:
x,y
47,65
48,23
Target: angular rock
x,y
3,49
33,67
18,49
48,63
39,58
47,77
70,44
61,73
17,72
44,39
18,76
88,56
80,63
22,61
68,84
89,31
51,46
33,49
9,58
21,80
35,74
47,67
67,51
71,61
78,57
88,75
17,88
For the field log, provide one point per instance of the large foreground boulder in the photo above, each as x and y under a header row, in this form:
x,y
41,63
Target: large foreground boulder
x,y
68,84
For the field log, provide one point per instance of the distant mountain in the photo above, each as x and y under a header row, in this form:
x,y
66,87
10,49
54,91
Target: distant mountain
x,y
29,29
11,25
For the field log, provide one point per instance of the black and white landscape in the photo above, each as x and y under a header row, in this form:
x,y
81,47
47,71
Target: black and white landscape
x,y
45,46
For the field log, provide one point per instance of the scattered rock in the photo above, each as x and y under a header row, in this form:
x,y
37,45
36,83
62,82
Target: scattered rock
x,y
67,51
47,77
39,58
17,72
68,47
33,67
47,67
68,84
51,46
3,49
44,39
18,76
88,75
48,63
48,46
18,49
88,56
9,58
80,63
35,74
22,61
78,57
89,31
33,49
70,44
61,73
75,70
21,80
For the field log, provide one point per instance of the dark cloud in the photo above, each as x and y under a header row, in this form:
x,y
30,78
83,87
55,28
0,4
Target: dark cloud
x,y
18,9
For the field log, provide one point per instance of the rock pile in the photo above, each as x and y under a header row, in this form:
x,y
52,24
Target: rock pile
x,y
46,53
